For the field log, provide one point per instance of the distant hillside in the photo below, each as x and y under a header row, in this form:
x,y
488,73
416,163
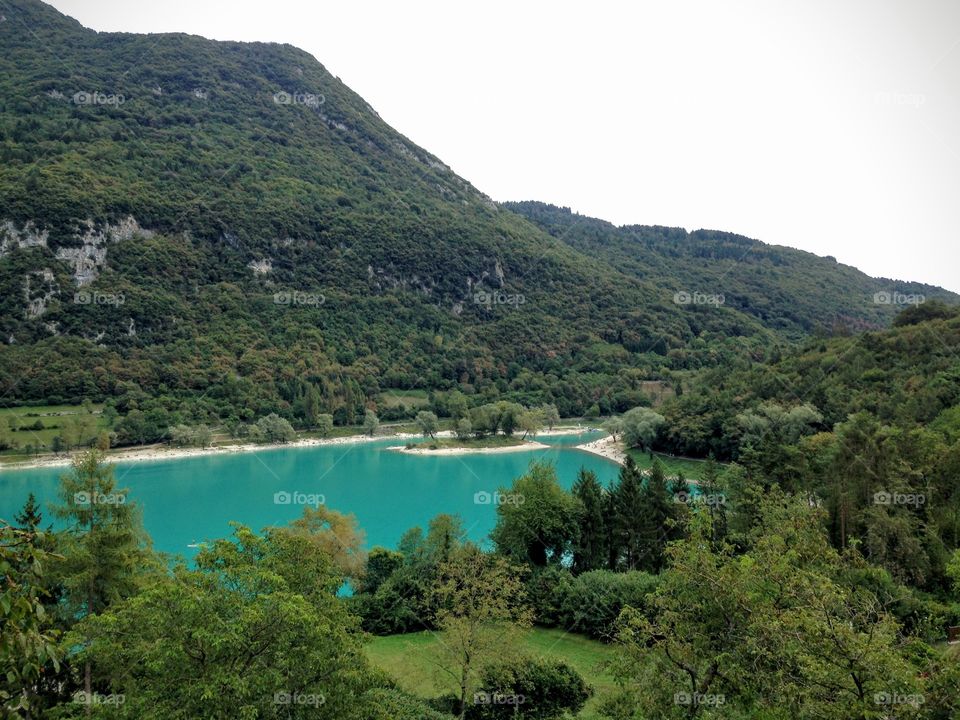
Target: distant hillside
x,y
790,291
907,376
226,230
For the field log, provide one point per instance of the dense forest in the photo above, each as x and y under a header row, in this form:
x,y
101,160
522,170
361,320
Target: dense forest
x,y
813,573
227,229
732,599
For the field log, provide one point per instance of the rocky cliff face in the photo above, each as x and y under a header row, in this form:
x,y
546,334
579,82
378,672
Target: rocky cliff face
x,y
90,256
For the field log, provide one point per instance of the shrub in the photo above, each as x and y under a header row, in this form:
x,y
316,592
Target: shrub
x,y
535,689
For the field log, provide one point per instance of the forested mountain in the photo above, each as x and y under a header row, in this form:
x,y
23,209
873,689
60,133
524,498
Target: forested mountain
x,y
227,229
906,376
790,291
868,427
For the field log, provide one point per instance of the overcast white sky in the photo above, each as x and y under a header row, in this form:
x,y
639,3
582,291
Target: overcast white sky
x,y
828,125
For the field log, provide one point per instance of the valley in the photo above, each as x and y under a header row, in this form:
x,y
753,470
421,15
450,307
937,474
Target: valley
x,y
296,422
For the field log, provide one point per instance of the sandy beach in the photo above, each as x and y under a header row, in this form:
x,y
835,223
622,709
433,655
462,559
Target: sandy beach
x,y
165,452
162,452
524,447
606,447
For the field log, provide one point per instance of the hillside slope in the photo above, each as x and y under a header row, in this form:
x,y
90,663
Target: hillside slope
x,y
229,225
788,290
907,376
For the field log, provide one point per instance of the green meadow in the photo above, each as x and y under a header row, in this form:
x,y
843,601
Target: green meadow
x,y
411,660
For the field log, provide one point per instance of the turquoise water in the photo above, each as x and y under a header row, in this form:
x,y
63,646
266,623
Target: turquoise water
x,y
189,500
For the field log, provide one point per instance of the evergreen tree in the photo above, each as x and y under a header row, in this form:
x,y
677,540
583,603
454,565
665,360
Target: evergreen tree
x,y
30,517
712,491
654,520
104,546
590,549
612,529
628,509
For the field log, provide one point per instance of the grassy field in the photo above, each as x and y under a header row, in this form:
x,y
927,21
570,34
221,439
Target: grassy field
x,y
490,441
408,658
409,399
690,467
25,425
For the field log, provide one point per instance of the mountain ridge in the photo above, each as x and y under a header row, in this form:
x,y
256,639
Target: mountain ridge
x,y
195,220
641,249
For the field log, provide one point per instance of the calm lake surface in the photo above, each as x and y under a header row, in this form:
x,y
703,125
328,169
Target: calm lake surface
x,y
188,500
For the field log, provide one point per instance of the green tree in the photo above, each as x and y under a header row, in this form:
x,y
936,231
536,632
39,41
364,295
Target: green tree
x,y
203,436
627,543
370,423
481,608
427,422
656,522
28,640
530,422
110,415
30,517
464,428
457,405
639,427
381,564
324,425
614,426
772,632
336,535
536,518
590,550
275,429
254,631
530,688
104,547
550,415
591,602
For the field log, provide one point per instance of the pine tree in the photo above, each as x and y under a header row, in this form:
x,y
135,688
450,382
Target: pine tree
x,y
590,550
712,490
680,488
628,509
654,520
104,545
30,517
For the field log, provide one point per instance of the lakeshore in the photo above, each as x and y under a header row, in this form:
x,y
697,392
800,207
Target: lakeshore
x,y
606,447
165,452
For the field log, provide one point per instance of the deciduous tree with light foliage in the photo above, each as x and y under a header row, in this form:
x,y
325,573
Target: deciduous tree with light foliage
x,y
480,609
